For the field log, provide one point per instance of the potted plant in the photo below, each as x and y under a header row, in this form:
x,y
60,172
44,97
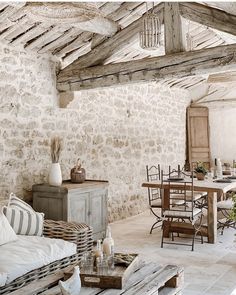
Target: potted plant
x,y
200,171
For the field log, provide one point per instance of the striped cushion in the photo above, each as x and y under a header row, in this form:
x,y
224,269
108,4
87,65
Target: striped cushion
x,y
24,222
19,204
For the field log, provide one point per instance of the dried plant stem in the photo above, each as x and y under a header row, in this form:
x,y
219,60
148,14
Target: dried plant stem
x,y
56,146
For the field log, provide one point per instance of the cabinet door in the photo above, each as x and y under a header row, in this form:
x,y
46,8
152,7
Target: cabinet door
x,y
98,212
78,207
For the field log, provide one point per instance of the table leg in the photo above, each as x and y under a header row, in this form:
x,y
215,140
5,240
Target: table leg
x,y
166,205
212,217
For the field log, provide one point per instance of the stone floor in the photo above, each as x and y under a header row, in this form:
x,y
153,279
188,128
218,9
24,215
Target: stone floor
x,y
210,269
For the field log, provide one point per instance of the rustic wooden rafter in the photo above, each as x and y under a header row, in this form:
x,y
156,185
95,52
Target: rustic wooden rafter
x,y
110,46
173,28
177,65
209,16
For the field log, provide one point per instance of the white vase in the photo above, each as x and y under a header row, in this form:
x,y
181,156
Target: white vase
x,y
55,177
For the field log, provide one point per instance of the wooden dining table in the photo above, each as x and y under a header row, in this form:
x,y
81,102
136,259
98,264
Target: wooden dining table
x,y
215,190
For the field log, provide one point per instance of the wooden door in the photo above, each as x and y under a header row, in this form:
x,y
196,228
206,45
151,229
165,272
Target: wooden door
x,y
198,142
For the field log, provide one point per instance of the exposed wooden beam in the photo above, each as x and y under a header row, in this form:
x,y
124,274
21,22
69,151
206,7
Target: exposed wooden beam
x,y
209,16
99,25
173,28
173,65
112,45
227,77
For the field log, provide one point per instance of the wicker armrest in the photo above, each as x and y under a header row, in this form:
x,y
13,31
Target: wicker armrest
x,y
79,233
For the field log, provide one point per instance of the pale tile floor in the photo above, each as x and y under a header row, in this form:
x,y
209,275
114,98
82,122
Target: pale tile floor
x,y
210,269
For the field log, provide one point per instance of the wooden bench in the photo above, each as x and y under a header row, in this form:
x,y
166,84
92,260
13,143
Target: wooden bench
x,y
151,279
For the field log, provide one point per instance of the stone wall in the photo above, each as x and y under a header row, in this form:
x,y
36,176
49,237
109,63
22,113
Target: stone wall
x,y
115,131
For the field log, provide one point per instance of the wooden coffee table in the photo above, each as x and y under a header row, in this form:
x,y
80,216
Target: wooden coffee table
x,y
151,279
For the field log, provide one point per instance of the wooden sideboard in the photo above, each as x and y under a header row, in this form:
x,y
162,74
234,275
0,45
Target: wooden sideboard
x,y
80,202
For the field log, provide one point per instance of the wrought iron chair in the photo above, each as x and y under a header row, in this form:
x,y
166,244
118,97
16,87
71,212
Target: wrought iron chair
x,y
154,195
224,207
183,218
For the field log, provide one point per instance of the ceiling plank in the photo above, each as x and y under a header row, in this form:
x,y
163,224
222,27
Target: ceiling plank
x,y
69,58
109,7
227,77
82,38
49,35
173,65
173,28
64,38
100,53
125,9
9,10
3,5
19,28
14,29
209,16
29,35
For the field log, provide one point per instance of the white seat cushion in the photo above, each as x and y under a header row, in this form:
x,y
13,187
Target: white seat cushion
x,y
196,196
7,234
156,203
31,252
178,213
202,194
227,204
3,279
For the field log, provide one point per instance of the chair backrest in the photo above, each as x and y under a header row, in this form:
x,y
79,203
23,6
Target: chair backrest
x,y
181,191
153,174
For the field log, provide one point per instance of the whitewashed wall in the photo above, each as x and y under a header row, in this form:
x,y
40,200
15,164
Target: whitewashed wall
x,y
223,132
115,131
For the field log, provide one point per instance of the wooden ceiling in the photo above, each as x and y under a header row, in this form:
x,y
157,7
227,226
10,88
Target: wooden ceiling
x,y
68,42
113,38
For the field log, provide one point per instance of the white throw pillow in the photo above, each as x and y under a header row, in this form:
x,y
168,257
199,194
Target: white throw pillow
x,y
24,222
7,234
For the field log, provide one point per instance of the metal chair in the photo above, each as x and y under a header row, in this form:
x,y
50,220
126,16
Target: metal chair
x,y
183,218
224,208
154,195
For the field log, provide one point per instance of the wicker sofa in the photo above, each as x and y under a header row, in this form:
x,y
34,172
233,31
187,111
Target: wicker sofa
x,y
78,233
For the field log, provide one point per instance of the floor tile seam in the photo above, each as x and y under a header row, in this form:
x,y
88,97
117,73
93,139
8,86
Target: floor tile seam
x,y
216,280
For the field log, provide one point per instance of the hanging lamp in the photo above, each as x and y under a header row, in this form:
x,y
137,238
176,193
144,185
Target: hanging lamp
x,y
150,33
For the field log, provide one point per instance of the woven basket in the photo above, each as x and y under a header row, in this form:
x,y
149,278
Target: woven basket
x,y
78,233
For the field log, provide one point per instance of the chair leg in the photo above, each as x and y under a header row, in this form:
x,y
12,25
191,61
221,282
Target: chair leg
x,y
159,220
193,241
162,239
172,236
153,226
